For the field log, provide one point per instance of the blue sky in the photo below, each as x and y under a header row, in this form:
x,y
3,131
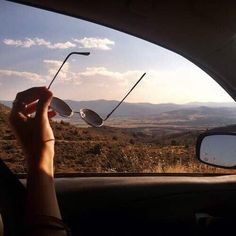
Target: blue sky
x,y
34,42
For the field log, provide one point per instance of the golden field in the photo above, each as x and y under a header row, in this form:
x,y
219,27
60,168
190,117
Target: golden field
x,y
110,149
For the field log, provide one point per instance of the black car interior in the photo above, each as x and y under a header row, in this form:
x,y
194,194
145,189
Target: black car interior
x,y
132,205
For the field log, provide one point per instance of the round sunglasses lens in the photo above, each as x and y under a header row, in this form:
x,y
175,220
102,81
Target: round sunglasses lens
x,y
91,117
61,107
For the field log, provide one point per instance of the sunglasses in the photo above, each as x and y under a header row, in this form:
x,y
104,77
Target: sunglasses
x,y
89,116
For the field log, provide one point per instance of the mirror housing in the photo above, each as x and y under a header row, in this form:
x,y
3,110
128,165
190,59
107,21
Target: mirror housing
x,y
217,149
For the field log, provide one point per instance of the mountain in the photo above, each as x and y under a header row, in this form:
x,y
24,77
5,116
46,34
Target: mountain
x,y
104,107
200,116
212,104
190,113
6,103
4,111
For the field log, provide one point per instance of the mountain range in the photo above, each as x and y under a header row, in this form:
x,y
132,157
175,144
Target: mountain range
x,y
191,113
104,107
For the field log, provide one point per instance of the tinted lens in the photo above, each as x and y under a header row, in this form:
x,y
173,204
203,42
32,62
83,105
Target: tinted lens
x,y
61,107
91,117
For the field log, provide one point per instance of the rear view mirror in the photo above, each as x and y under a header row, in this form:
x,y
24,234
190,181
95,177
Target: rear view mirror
x,y
217,149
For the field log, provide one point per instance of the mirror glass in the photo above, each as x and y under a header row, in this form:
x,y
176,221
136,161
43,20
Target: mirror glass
x,y
219,150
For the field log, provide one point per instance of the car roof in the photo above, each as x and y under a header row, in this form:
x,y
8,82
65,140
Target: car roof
x,y
203,31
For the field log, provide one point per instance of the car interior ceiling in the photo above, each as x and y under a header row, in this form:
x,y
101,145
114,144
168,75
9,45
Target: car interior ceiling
x,y
132,204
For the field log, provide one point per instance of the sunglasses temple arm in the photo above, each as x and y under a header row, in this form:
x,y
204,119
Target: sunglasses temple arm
x,y
79,53
124,97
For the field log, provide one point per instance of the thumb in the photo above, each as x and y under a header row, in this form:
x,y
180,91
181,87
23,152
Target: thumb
x,y
43,104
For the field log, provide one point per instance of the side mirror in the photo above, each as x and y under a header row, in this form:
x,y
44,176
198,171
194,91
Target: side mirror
x,y
217,149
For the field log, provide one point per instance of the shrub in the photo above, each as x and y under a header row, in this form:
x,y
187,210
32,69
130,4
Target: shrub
x,y
96,150
131,141
173,142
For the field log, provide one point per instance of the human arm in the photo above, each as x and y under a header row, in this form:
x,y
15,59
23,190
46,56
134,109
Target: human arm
x,y
37,140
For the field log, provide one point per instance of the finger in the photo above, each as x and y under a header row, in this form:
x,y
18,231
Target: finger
x,y
17,118
17,113
31,108
30,95
51,114
43,105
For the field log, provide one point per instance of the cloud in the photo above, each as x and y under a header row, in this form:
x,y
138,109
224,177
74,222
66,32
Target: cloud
x,y
90,75
54,65
98,43
28,42
103,71
22,74
107,77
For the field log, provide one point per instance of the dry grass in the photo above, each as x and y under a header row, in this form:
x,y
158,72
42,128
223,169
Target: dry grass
x,y
111,150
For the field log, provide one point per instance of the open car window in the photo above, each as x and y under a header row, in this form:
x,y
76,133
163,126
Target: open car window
x,y
153,130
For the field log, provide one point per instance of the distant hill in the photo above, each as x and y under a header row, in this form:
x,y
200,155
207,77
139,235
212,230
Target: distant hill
x,y
187,114
6,103
4,112
212,116
190,114
103,107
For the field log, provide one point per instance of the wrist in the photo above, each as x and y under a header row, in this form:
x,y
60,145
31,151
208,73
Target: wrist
x,y
43,163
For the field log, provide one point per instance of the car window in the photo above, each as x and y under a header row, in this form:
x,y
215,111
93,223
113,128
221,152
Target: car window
x,y
153,130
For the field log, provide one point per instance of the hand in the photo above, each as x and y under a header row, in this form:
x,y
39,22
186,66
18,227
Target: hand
x,y
34,134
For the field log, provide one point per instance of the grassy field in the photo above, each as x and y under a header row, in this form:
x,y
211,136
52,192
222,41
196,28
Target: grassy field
x,y
113,149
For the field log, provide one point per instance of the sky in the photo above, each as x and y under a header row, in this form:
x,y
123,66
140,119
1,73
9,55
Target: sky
x,y
34,42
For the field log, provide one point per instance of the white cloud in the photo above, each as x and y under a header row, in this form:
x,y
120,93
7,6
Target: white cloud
x,y
91,75
54,65
22,74
28,42
98,43
54,62
62,45
103,77
103,71
158,86
93,71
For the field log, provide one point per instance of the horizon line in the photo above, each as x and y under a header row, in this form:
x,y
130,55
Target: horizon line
x,y
163,103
